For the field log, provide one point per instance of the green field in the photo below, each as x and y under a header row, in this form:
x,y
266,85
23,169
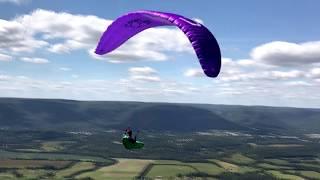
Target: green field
x,y
281,175
271,166
240,159
124,169
35,173
52,146
167,171
131,168
227,166
278,161
94,156
7,176
76,168
207,168
307,174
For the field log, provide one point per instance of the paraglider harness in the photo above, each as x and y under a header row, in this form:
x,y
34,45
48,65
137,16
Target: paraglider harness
x,y
129,142
128,132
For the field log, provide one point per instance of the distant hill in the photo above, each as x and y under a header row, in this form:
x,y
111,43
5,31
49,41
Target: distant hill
x,y
306,120
179,117
64,115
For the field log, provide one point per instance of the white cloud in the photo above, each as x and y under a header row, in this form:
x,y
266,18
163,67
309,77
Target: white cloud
x,y
314,73
4,77
286,74
4,57
150,45
146,74
18,2
198,20
75,76
123,55
194,73
36,30
287,54
35,60
142,70
298,83
175,91
65,69
274,72
62,32
76,31
67,46
145,78
16,37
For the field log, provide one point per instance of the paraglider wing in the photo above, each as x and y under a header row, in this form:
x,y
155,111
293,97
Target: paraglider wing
x,y
203,42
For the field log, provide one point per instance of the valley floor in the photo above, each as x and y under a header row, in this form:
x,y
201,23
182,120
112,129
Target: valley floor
x,y
30,155
236,165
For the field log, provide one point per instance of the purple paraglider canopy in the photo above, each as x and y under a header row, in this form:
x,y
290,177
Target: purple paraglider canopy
x,y
126,26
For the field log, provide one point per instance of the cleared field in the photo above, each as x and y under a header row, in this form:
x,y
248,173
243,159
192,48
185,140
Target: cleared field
x,y
277,161
167,162
310,165
284,145
28,150
246,169
124,169
238,158
10,163
275,145
52,146
281,175
271,166
207,168
309,174
227,166
7,176
80,166
35,173
169,171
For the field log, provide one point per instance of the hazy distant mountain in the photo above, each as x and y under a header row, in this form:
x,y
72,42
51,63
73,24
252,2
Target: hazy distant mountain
x,y
179,117
88,115
264,117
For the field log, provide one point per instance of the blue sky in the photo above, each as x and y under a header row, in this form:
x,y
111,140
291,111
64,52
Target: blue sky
x,y
270,49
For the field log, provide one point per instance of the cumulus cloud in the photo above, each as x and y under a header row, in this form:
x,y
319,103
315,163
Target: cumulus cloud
x,y
286,74
194,72
142,70
15,37
75,76
75,31
18,2
146,78
198,20
65,69
145,73
287,54
298,83
151,45
61,32
4,77
267,76
4,57
314,73
35,60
